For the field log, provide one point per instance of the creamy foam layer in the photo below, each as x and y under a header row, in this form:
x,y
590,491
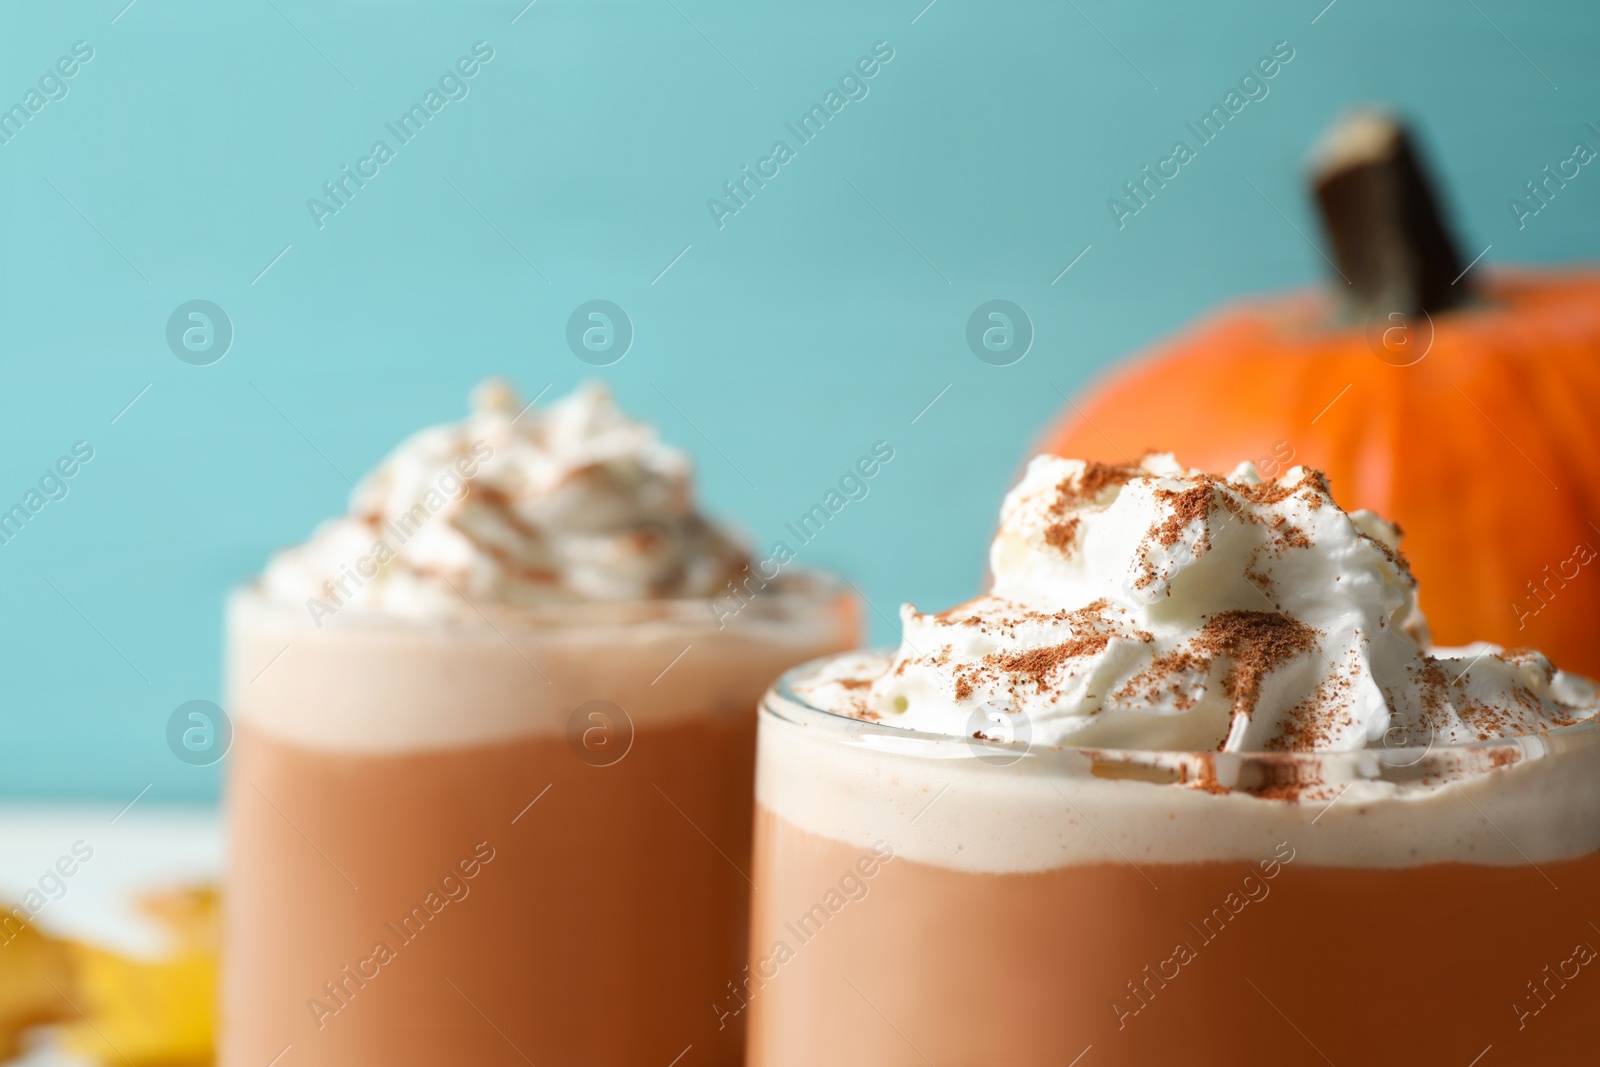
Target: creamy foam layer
x,y
1155,607
962,804
375,686
514,506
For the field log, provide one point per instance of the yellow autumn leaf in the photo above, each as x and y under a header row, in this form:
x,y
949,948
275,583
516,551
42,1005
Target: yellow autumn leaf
x,y
152,1013
147,1014
35,978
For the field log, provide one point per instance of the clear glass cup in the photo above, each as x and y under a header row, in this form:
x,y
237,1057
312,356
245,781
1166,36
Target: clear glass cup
x,y
519,838
933,899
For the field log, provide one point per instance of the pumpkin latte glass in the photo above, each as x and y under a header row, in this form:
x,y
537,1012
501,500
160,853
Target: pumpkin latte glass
x,y
489,792
1188,786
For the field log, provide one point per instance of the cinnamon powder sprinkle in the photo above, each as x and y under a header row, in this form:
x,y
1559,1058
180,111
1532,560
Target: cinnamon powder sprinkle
x,y
1304,726
1165,677
1390,554
1266,494
1087,486
1062,535
1294,537
1037,664
1186,506
1256,643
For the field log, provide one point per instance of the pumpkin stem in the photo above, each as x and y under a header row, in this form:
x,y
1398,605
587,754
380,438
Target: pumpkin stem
x,y
1379,210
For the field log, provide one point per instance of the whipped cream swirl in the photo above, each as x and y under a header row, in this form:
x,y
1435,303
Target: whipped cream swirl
x,y
1161,608
515,506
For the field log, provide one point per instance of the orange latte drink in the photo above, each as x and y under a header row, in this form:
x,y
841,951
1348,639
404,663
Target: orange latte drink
x,y
490,803
1190,785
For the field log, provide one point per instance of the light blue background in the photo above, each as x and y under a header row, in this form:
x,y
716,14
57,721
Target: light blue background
x,y
180,163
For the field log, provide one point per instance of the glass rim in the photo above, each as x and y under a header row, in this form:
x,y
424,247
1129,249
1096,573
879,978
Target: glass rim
x,y
782,702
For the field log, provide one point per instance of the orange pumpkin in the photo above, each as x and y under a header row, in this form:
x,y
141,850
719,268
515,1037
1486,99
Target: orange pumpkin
x,y
1467,418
